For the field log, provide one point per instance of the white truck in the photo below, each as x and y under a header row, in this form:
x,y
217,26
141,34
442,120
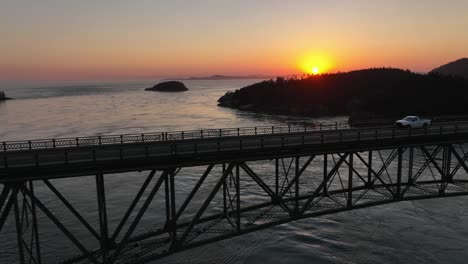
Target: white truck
x,y
413,122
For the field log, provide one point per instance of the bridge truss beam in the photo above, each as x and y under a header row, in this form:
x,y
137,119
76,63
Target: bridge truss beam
x,y
220,204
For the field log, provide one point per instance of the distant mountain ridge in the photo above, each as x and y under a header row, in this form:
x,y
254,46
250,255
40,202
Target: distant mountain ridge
x,y
456,68
224,77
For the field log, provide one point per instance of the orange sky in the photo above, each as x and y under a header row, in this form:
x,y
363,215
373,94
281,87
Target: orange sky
x,y
87,39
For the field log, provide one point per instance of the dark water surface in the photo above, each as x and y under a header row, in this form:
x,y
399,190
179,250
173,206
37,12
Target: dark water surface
x,y
431,231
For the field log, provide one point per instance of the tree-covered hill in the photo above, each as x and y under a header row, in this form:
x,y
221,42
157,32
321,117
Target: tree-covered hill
x,y
380,92
3,96
457,68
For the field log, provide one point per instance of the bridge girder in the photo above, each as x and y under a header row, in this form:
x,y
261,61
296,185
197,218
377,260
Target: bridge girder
x,y
218,206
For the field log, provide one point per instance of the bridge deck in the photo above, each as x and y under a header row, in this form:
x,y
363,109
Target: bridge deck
x,y
19,160
312,172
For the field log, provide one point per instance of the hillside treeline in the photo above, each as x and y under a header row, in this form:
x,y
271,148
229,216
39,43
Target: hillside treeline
x,y
380,92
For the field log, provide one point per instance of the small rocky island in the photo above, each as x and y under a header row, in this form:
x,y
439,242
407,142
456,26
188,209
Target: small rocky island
x,y
169,86
3,96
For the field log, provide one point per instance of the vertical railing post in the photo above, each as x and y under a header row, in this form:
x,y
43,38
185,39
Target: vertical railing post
x,y
289,128
99,140
220,132
336,125
238,131
53,143
4,146
272,129
182,135
201,134
121,139
29,143
142,137
255,130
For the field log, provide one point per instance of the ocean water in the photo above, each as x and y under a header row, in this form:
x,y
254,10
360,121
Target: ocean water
x,y
430,231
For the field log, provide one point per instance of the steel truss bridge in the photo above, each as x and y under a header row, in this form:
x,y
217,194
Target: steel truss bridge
x,y
248,179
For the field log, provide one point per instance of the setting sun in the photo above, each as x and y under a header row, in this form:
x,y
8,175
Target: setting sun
x,y
315,64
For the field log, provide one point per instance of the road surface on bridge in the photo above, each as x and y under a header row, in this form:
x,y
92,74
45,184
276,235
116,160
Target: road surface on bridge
x,y
192,150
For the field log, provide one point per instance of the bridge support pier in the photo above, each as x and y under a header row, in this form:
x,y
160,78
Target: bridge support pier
x,y
350,181
325,174
370,183
446,167
410,165
297,174
399,173
103,223
13,198
172,223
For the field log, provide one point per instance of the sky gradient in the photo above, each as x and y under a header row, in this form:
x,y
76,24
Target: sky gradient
x,y
88,39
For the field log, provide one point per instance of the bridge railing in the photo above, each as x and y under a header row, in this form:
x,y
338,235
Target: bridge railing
x,y
234,143
168,136
185,135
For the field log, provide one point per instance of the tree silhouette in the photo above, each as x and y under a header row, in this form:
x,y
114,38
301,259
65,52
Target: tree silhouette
x,y
370,93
